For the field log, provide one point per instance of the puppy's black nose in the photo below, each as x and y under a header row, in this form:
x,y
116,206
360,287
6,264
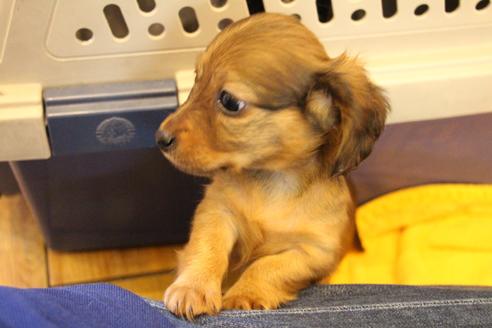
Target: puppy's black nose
x,y
164,140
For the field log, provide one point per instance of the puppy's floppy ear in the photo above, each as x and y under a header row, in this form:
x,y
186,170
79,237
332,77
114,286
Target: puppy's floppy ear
x,y
349,110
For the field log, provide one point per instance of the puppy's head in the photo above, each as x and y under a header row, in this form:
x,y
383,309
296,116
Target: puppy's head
x,y
267,97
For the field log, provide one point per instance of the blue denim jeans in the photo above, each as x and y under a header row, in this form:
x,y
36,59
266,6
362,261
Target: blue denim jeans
x,y
103,305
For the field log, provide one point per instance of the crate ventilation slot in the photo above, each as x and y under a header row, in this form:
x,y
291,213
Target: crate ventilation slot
x,y
137,26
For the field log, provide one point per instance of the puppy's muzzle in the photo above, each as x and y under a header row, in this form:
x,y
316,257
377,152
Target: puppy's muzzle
x,y
165,140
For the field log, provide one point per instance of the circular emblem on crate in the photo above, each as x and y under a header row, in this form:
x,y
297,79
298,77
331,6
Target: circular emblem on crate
x,y
115,131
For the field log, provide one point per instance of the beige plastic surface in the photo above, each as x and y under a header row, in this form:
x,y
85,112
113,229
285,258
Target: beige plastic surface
x,y
184,83
434,65
42,45
6,11
22,130
173,39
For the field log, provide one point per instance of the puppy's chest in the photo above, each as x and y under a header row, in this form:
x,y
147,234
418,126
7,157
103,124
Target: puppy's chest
x,y
271,213
278,205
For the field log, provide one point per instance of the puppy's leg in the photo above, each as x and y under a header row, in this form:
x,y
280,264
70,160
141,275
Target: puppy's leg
x,y
202,264
275,279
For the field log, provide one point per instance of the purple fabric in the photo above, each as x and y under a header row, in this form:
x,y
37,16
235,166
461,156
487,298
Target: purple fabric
x,y
457,149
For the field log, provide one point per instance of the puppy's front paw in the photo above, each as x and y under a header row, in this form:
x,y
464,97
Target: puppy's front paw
x,y
254,299
247,302
190,300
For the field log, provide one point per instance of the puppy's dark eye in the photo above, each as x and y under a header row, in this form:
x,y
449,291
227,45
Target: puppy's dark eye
x,y
229,104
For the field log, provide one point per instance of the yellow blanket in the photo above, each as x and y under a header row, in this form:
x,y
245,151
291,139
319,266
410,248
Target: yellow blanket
x,y
433,234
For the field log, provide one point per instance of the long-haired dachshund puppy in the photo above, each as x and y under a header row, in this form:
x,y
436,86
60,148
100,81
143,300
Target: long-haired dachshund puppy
x,y
276,124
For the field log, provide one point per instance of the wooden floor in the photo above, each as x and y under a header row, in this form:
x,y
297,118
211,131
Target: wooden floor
x,y
26,262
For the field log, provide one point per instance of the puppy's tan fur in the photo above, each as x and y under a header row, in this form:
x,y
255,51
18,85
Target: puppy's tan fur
x,y
277,215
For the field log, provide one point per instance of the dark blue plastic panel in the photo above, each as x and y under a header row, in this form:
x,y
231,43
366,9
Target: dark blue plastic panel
x,y
105,117
111,199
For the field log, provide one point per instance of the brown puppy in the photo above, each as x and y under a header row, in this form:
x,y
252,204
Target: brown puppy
x,y
275,123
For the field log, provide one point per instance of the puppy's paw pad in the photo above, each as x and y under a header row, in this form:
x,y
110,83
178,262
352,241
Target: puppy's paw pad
x,y
190,300
248,302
